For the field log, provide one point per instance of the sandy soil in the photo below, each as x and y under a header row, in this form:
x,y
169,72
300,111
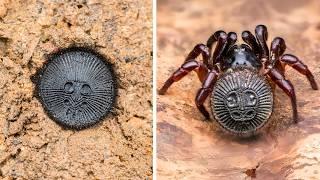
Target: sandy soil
x,y
190,148
32,146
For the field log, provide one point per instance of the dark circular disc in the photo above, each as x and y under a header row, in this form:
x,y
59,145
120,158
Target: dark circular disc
x,y
242,101
77,87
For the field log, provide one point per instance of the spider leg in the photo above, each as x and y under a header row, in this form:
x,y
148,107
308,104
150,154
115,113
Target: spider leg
x,y
278,47
197,50
249,38
205,91
221,38
298,65
287,87
231,40
262,36
185,68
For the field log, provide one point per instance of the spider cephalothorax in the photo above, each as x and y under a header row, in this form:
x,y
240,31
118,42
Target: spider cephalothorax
x,y
237,77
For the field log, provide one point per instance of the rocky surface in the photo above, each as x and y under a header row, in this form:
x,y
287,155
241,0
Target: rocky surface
x,y
190,148
32,146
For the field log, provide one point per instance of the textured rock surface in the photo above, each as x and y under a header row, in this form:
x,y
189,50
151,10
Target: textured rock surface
x,y
190,148
31,145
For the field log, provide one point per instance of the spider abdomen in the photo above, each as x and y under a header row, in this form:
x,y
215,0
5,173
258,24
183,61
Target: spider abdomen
x,y
77,87
242,101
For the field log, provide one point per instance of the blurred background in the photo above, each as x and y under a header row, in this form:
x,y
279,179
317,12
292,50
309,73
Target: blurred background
x,y
188,147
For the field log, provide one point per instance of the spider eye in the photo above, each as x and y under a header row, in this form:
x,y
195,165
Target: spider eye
x,y
68,87
85,89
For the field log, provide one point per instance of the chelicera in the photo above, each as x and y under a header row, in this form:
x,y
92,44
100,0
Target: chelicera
x,y
238,78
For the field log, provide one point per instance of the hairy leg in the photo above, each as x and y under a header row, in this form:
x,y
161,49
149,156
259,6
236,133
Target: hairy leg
x,y
185,68
298,65
287,87
205,91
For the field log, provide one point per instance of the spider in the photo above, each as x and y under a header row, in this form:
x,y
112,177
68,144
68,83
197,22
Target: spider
x,y
239,78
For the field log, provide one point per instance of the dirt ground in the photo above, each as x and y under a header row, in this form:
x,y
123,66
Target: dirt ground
x,y
190,148
32,146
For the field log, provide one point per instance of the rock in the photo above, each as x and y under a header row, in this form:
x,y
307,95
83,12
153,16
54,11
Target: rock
x,y
3,8
306,158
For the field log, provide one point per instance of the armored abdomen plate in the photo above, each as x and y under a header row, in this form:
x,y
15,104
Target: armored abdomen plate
x,y
77,87
242,101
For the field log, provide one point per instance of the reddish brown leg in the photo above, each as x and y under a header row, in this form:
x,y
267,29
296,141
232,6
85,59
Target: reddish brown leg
x,y
262,37
287,87
298,65
214,38
205,91
221,38
231,40
278,47
249,38
184,70
197,50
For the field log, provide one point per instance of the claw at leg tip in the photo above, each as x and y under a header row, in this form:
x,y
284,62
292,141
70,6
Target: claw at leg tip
x,y
295,119
315,87
161,91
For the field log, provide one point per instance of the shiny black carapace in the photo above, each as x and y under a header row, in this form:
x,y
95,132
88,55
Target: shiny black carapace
x,y
236,78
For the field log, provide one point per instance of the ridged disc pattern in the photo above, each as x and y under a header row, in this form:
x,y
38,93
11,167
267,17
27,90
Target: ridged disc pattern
x,y
77,88
242,101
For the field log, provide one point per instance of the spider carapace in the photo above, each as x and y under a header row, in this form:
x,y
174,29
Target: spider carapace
x,y
237,77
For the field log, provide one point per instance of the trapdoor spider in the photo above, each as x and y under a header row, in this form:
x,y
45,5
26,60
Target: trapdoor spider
x,y
237,78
